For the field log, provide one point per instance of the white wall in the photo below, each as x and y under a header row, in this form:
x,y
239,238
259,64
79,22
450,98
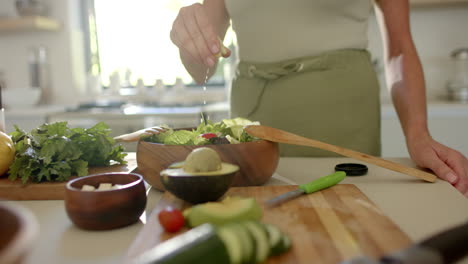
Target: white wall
x,y
436,31
65,51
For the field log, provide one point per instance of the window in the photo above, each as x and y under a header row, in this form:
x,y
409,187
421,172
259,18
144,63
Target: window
x,y
132,38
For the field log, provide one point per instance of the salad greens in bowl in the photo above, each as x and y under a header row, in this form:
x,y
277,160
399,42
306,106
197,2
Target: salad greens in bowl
x,y
228,131
257,159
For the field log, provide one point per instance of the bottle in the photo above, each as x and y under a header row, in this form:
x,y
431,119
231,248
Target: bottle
x,y
457,86
179,86
2,80
39,73
93,83
179,91
114,83
159,89
140,87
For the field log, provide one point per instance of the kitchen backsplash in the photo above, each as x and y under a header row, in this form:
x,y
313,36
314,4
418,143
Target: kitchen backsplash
x,y
436,32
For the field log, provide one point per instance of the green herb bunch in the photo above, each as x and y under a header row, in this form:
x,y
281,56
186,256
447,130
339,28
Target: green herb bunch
x,y
55,152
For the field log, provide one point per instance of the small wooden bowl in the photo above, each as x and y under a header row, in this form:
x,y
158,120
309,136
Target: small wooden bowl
x,y
18,229
102,210
257,160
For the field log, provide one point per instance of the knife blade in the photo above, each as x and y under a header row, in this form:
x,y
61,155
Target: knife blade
x,y
307,188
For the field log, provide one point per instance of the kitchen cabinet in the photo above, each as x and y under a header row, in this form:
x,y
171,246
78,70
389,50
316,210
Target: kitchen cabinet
x,y
448,124
29,23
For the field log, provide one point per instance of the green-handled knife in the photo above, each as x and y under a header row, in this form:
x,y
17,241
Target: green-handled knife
x,y
313,186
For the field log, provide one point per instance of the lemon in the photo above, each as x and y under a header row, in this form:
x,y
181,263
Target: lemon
x,y
7,152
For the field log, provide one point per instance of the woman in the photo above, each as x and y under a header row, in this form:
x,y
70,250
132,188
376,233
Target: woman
x,y
304,68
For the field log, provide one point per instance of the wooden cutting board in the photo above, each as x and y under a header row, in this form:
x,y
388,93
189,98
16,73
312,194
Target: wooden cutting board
x,y
15,190
325,227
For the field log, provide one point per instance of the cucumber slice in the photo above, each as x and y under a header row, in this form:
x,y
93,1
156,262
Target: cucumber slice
x,y
262,242
233,244
286,243
247,243
275,237
199,245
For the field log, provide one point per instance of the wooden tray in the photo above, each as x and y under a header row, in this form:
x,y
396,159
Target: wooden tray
x,y
325,227
15,190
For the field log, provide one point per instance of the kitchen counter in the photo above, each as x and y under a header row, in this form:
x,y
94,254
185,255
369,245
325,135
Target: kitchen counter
x,y
419,208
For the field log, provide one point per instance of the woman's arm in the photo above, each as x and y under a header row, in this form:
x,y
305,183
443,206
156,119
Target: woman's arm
x,y
405,79
196,32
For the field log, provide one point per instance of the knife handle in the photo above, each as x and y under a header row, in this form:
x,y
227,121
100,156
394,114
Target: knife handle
x,y
323,182
451,244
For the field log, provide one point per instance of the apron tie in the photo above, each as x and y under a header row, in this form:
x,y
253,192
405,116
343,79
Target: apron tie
x,y
275,73
270,72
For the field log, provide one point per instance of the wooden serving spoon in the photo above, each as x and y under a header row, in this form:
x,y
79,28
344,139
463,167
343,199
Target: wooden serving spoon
x,y
281,136
135,136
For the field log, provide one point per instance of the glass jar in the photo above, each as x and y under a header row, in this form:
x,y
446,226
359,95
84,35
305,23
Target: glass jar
x,y
458,85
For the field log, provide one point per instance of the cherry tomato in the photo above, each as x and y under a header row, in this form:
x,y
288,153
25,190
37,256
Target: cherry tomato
x,y
209,135
171,219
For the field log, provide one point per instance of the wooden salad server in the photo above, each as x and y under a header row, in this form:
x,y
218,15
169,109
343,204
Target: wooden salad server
x,y
281,136
135,136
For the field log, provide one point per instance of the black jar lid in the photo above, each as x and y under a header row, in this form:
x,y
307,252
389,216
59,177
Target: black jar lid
x,y
352,169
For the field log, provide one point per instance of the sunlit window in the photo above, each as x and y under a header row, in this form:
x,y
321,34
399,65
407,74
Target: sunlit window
x,y
132,37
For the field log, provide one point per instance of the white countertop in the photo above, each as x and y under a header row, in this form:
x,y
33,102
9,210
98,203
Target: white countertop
x,y
419,208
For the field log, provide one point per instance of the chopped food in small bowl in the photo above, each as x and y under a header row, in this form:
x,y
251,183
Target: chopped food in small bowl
x,y
202,177
105,201
257,159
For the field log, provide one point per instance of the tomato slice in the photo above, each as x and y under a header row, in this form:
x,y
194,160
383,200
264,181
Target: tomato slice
x,y
208,135
171,219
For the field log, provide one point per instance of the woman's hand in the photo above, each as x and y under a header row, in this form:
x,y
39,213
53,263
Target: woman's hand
x,y
197,35
448,164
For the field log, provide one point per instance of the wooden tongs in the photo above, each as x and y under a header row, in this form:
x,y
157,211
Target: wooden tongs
x,y
281,136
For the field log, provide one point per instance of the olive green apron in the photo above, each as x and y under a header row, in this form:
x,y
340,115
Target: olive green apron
x,y
332,97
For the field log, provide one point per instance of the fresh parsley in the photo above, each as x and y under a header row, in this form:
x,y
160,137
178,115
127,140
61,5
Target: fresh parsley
x,y
55,152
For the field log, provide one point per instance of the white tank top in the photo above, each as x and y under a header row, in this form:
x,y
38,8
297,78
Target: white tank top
x,y
274,30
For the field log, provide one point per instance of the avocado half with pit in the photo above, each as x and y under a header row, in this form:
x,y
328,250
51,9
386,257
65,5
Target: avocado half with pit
x,y
198,187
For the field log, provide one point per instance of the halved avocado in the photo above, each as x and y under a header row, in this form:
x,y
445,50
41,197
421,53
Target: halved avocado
x,y
199,187
176,169
229,210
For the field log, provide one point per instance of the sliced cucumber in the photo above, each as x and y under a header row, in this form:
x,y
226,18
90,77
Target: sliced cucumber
x,y
260,237
233,243
275,237
286,243
199,245
248,245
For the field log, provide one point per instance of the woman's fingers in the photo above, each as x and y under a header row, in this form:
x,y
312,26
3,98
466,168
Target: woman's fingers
x,y
447,163
210,37
197,37
442,170
459,164
193,33
462,186
181,38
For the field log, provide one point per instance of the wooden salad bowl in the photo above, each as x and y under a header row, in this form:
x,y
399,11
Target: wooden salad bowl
x,y
257,160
